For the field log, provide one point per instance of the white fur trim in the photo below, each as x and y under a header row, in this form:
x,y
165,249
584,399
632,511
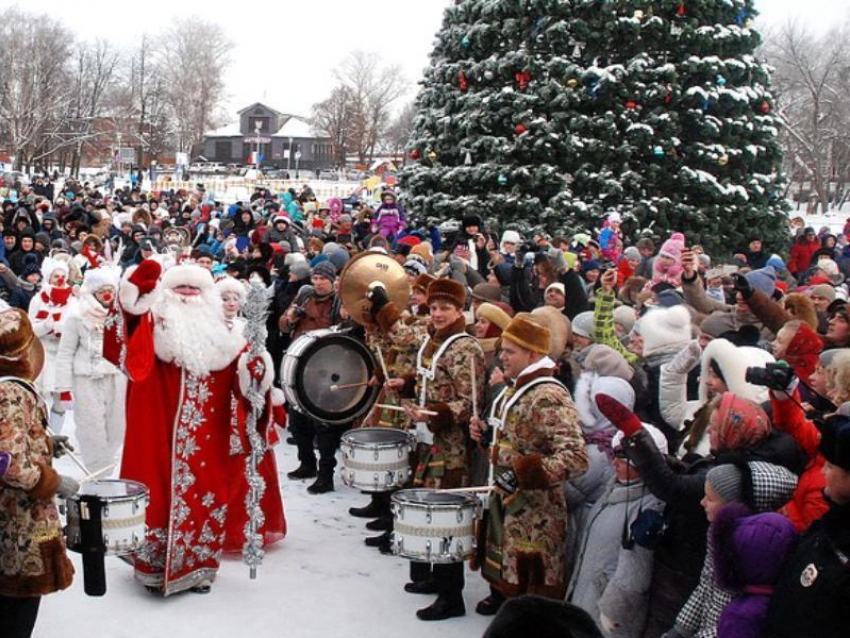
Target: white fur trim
x,y
245,376
96,278
128,295
733,362
278,397
230,284
187,275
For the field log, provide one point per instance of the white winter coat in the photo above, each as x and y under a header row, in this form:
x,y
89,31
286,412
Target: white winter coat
x,y
47,320
80,351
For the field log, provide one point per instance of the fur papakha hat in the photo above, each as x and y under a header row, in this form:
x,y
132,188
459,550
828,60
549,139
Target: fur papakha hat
x,y
447,290
528,335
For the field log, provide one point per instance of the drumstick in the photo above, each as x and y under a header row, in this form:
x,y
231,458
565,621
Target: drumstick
x,y
99,473
73,456
346,386
470,490
383,364
398,408
474,389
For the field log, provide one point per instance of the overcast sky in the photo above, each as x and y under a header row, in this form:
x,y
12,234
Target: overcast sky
x,y
285,50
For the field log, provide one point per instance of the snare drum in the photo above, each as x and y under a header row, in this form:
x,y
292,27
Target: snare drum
x,y
434,527
123,506
319,359
376,459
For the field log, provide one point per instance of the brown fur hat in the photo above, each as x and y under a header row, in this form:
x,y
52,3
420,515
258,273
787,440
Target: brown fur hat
x,y
21,352
447,290
801,306
422,282
529,335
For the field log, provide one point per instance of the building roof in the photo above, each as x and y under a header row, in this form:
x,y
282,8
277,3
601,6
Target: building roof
x,y
296,127
248,108
229,130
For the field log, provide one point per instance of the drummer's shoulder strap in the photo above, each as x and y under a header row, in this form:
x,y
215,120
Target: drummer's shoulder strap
x,y
510,403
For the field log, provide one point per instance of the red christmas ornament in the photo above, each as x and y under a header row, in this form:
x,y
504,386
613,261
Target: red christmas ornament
x,y
522,79
765,107
461,79
681,10
631,105
520,129
415,154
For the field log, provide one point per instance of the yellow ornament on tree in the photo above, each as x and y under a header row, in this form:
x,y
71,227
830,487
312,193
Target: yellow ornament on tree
x,y
638,15
723,160
572,83
432,156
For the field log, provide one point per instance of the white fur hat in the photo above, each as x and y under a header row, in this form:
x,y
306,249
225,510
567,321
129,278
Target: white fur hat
x,y
96,278
665,327
510,236
733,362
654,432
51,265
231,284
187,275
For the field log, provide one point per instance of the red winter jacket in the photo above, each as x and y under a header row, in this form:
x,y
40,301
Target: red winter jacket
x,y
801,255
808,503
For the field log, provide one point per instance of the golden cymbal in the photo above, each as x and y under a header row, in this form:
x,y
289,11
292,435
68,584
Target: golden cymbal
x,y
365,269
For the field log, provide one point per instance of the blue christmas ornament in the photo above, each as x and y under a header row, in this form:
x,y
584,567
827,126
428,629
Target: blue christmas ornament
x,y
721,81
741,18
503,181
658,151
466,42
705,106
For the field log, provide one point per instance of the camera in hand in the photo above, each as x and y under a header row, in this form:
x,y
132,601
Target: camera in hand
x,y
775,376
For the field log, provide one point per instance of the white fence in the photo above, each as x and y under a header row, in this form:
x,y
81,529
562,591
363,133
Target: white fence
x,y
230,190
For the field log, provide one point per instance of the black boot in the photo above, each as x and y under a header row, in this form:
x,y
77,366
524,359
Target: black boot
x,y
380,525
322,485
303,472
374,509
446,606
490,605
421,587
378,541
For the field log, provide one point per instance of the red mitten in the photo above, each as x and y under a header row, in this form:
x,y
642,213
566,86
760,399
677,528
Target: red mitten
x,y
622,418
65,397
145,276
257,368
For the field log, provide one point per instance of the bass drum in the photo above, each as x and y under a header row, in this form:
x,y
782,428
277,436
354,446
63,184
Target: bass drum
x,y
317,360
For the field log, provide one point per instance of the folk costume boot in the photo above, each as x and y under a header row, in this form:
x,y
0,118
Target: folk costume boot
x,y
374,509
490,605
421,579
446,606
380,525
304,471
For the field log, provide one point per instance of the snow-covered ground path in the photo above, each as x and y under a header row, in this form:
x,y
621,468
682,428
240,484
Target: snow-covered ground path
x,y
320,581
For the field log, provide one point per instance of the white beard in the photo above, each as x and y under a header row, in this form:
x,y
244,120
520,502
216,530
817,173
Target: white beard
x,y
190,332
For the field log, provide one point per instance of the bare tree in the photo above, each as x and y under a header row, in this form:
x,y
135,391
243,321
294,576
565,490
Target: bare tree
x,y
338,117
812,81
374,89
195,52
397,135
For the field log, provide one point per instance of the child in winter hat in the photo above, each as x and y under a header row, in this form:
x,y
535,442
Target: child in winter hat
x,y
667,266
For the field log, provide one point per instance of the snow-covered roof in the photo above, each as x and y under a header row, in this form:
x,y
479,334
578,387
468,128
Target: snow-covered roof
x,y
296,127
229,130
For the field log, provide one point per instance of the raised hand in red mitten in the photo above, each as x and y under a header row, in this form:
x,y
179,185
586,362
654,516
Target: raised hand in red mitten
x,y
145,276
623,419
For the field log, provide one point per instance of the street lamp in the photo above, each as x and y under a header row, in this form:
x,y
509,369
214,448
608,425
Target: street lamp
x,y
257,127
289,157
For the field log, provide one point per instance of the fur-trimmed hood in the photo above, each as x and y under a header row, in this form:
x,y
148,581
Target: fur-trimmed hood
x,y
733,362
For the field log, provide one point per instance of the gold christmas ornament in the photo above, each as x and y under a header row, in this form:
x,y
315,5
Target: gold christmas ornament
x,y
572,83
723,160
432,156
638,15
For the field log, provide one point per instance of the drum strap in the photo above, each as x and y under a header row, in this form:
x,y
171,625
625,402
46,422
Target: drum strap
x,y
506,405
429,374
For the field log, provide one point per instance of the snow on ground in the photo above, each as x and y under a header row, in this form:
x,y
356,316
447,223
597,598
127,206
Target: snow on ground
x,y
320,581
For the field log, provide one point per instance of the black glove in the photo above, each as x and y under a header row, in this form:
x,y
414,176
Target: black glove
x,y
60,445
742,285
507,481
379,298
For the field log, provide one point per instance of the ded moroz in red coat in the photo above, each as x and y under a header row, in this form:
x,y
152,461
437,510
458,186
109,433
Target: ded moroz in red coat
x,y
185,372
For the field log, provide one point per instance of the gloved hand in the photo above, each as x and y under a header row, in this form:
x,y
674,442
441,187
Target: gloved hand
x,y
256,368
67,400
507,481
688,357
623,419
67,487
742,285
5,462
145,276
379,298
60,445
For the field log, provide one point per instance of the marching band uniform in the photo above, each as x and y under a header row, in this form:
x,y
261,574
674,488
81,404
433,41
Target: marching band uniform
x,y
537,445
443,384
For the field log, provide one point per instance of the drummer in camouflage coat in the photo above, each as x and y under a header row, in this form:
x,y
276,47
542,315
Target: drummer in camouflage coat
x,y
537,445
443,388
400,359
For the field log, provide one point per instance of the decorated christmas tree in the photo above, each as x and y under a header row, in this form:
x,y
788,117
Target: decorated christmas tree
x,y
553,113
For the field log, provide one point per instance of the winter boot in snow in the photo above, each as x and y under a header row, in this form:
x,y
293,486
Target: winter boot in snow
x,y
303,472
446,606
490,605
322,485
